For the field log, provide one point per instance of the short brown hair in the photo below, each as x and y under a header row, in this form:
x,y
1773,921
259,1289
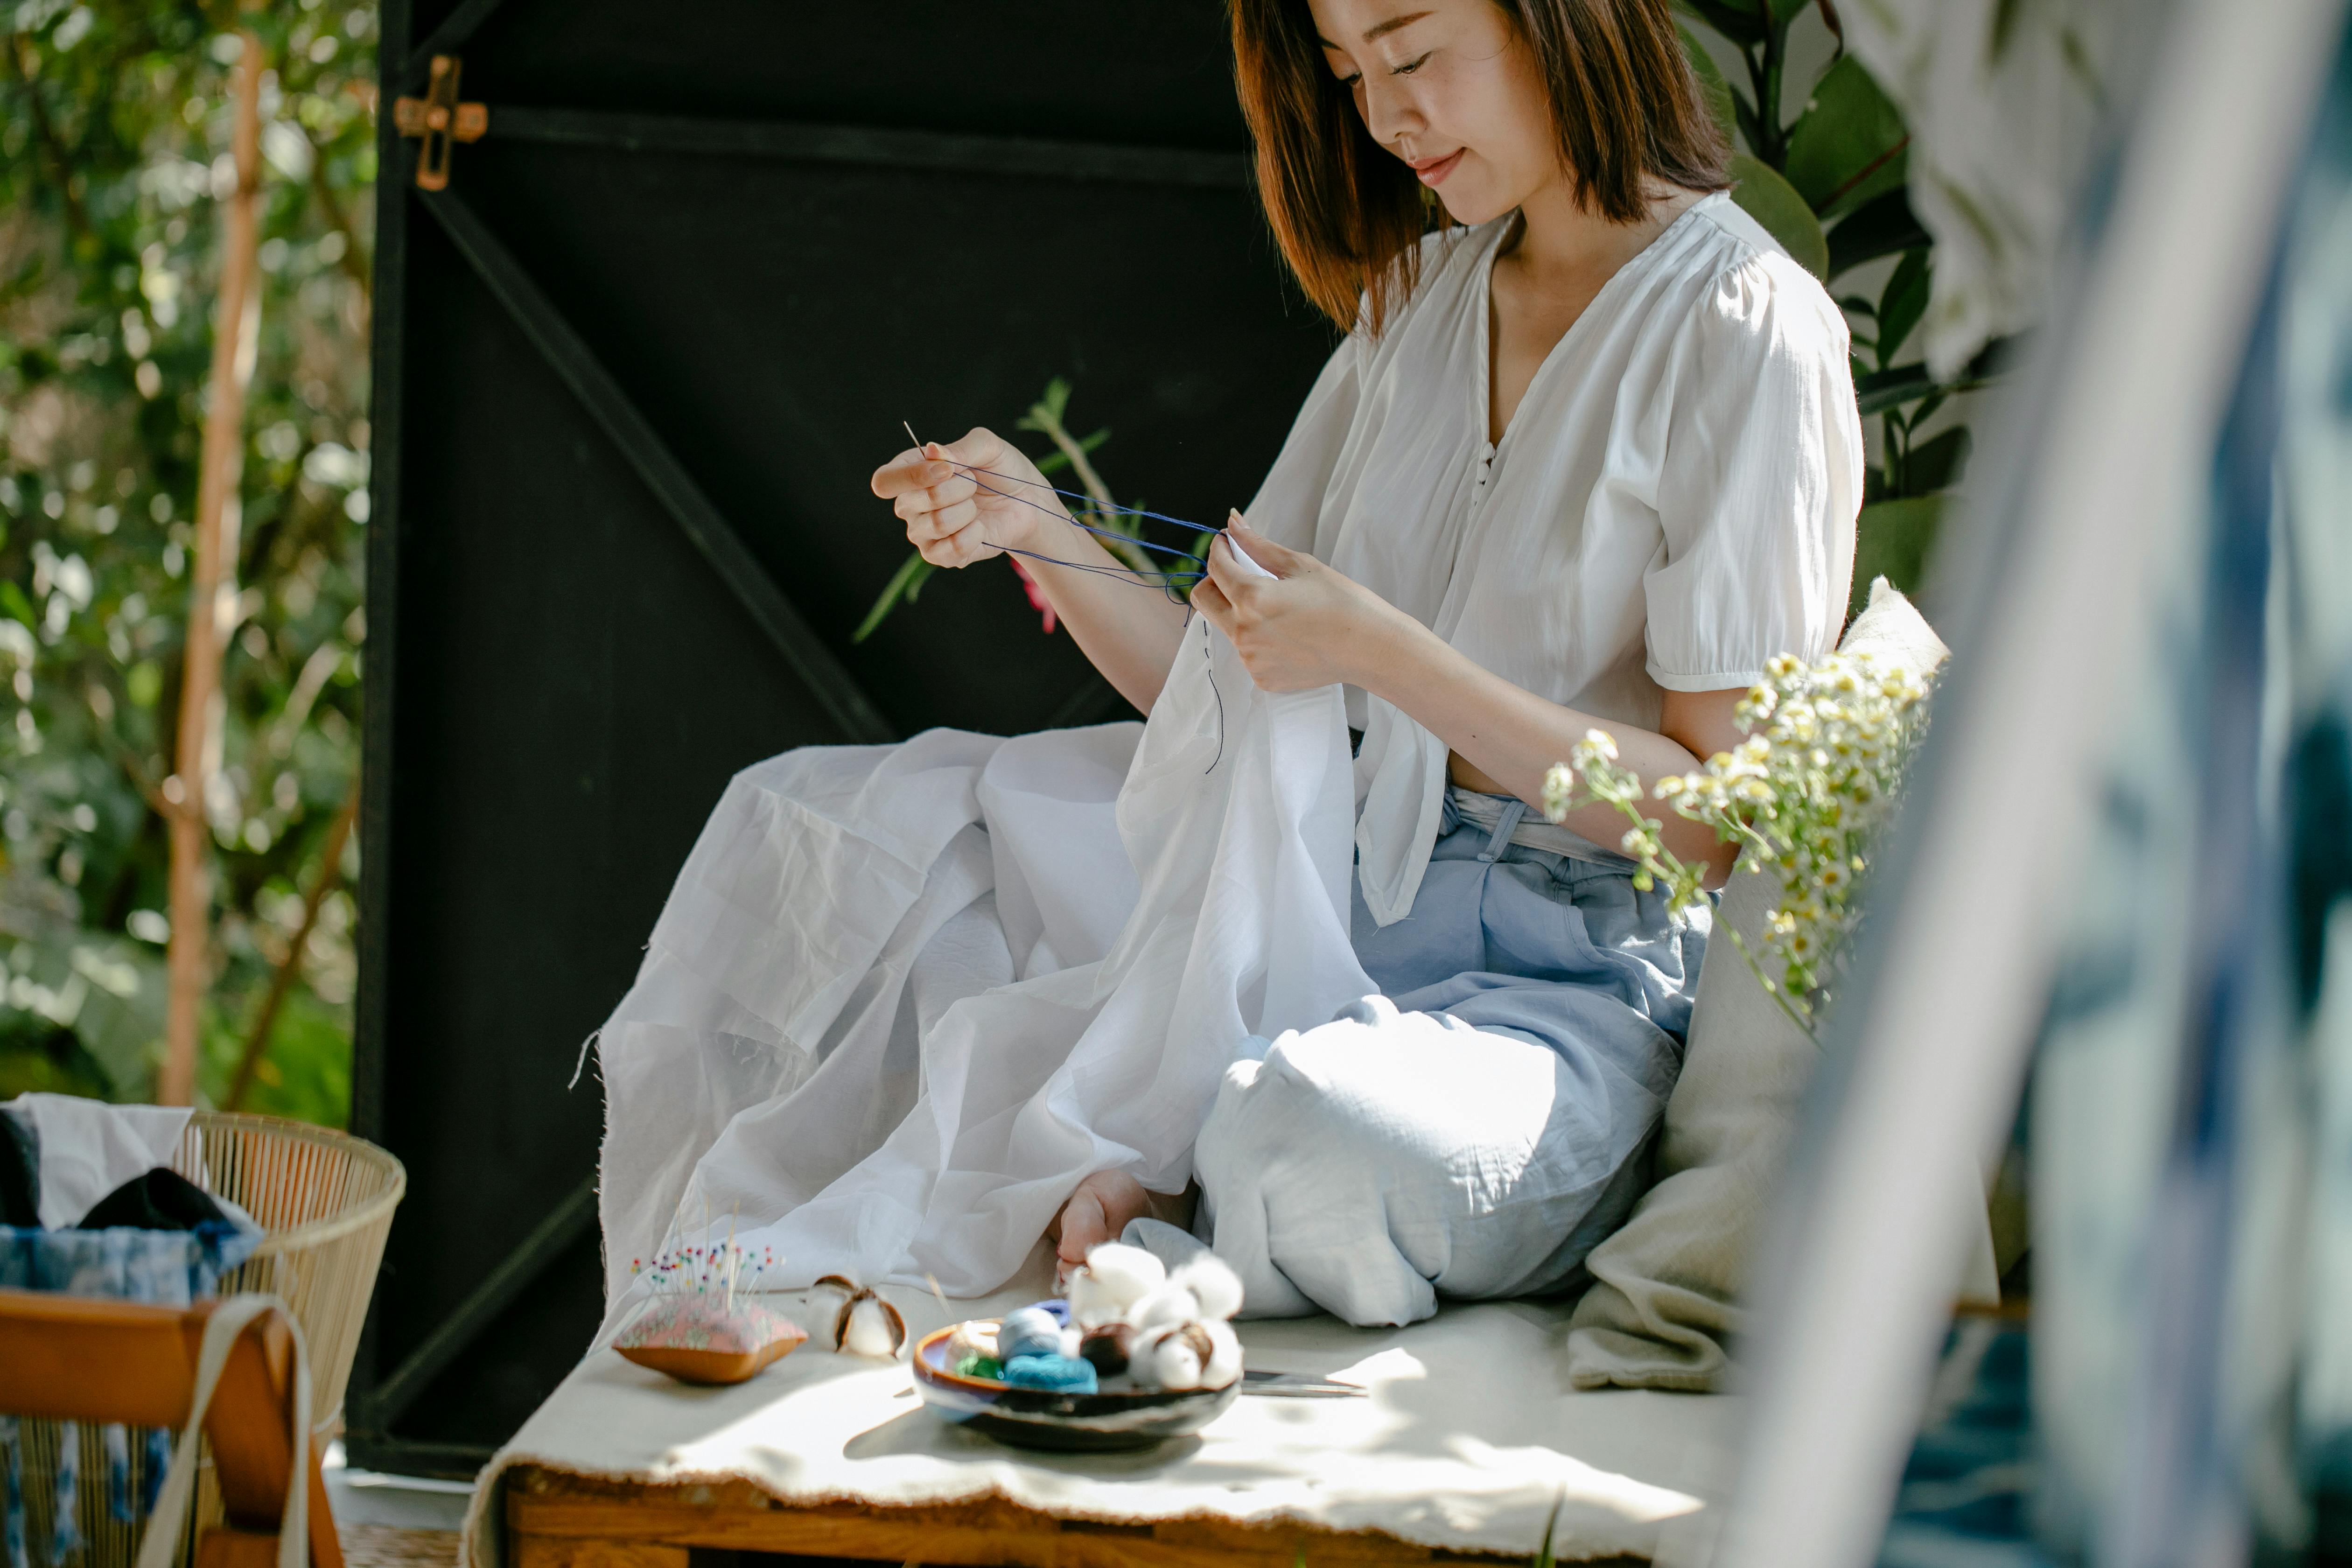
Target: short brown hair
x,y
1349,216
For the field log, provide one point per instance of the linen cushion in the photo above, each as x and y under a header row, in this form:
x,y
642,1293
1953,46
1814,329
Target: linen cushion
x,y
1665,1299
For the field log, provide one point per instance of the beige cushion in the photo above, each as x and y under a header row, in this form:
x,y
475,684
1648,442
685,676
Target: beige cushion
x,y
1665,1299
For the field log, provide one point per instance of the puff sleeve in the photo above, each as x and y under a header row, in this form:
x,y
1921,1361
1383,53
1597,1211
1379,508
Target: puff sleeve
x,y
1760,481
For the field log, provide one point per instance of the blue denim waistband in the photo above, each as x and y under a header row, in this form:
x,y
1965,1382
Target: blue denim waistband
x,y
1509,818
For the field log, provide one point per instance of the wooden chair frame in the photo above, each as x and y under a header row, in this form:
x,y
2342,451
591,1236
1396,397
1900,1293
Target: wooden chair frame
x,y
77,1358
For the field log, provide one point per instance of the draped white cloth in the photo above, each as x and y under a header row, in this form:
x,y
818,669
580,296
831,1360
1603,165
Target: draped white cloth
x,y
903,999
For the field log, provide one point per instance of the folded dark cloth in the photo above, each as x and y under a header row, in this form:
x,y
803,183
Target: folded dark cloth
x,y
20,1171
159,1199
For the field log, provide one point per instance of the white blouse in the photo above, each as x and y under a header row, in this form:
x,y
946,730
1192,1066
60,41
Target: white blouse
x,y
1672,504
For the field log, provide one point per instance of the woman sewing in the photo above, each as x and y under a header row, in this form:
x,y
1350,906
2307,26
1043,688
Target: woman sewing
x,y
1588,457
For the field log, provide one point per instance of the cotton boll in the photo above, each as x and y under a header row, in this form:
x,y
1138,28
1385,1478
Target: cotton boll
x,y
1212,1283
870,1327
866,1324
1173,1357
1224,1362
1166,1307
1113,1279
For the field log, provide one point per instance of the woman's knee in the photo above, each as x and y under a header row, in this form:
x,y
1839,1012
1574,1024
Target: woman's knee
x,y
1412,1135
1344,1104
1322,1182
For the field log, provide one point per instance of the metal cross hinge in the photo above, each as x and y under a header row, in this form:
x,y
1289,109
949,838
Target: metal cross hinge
x,y
441,121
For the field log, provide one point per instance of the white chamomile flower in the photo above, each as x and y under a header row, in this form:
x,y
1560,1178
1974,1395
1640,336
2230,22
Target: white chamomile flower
x,y
1824,758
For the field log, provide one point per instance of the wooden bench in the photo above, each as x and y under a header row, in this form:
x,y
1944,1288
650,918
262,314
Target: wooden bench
x,y
559,1521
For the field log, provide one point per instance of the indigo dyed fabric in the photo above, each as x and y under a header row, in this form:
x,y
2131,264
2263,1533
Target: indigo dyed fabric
x,y
168,1268
1967,1491
65,1520
159,1199
1474,1130
20,1170
12,1493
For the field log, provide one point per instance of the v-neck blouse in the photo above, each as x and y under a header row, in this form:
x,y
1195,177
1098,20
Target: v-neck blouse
x,y
1672,504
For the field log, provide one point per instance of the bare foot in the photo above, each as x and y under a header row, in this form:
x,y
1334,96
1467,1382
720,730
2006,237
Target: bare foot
x,y
1097,1212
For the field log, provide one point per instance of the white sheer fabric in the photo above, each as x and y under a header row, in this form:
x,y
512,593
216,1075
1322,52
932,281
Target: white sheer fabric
x,y
902,999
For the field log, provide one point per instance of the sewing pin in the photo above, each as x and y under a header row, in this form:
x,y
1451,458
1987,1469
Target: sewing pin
x,y
733,1255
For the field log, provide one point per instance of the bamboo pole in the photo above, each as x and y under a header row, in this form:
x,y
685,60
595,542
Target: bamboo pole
x,y
235,319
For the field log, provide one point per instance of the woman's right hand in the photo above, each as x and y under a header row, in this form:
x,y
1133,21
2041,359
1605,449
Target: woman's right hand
x,y
954,518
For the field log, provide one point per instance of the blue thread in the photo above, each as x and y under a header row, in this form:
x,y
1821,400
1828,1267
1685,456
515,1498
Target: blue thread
x,y
1092,504
1208,657
1061,516
1121,572
1165,580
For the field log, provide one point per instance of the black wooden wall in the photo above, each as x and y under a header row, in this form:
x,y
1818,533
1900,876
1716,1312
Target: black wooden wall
x,y
633,366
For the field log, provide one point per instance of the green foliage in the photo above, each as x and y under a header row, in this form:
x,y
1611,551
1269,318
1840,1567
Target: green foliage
x,y
1849,146
1115,528
906,585
306,1074
115,120
1831,187
1763,195
38,1056
1892,539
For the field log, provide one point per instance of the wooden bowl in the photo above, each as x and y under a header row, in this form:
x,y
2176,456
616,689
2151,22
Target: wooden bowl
x,y
711,1366
1113,1419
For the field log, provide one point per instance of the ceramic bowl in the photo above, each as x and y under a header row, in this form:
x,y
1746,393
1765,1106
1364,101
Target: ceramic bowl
x,y
1043,1418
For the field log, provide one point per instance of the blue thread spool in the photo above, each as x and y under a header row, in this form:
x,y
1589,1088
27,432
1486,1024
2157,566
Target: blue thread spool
x,y
1031,1331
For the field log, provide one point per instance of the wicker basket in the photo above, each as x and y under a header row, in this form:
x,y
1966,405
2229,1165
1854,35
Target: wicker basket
x,y
326,1199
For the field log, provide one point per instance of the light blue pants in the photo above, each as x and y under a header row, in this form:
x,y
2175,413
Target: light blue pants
x,y
1474,1130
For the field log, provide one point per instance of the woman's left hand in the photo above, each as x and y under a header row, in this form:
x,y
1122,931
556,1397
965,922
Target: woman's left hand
x,y
1304,626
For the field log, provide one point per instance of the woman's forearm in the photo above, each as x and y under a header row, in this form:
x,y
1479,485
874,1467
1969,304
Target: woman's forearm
x,y
1514,737
1128,629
